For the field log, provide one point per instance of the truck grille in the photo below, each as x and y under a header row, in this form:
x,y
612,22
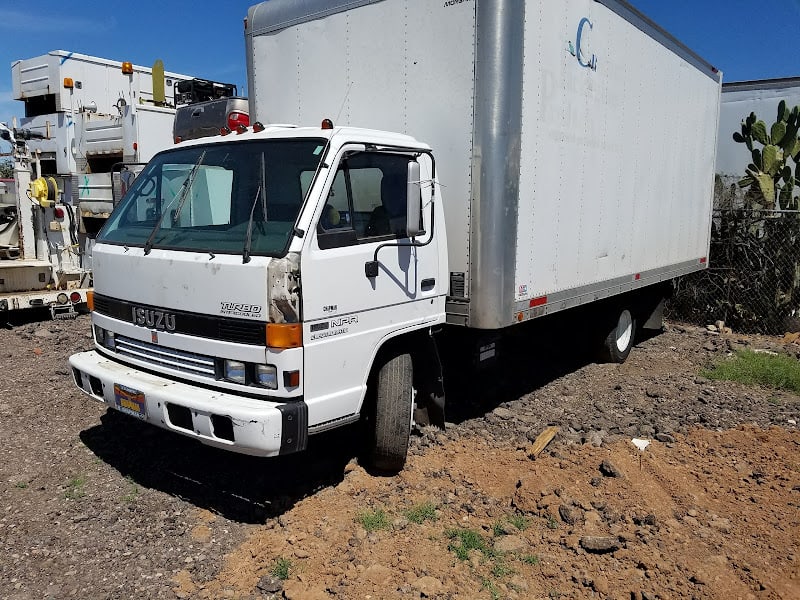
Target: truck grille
x,y
166,358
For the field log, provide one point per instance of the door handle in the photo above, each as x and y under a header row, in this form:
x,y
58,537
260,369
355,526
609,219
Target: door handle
x,y
427,284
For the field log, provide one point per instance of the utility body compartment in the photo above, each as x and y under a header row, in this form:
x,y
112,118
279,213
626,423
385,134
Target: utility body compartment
x,y
575,141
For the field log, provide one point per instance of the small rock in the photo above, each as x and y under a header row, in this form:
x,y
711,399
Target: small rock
x,y
428,586
378,574
503,413
301,553
599,544
595,438
712,328
269,584
568,514
609,469
665,438
600,585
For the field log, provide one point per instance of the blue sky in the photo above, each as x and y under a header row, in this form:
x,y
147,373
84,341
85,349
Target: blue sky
x,y
745,39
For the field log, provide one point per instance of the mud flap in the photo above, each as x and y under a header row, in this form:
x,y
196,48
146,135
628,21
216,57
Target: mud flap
x,y
294,426
430,385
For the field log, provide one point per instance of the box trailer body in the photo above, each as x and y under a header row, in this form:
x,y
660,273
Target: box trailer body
x,y
507,160
575,140
739,99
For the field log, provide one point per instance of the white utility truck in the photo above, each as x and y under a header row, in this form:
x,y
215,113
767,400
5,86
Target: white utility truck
x,y
507,160
85,118
41,265
91,114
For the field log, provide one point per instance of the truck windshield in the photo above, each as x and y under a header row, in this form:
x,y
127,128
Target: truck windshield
x,y
210,198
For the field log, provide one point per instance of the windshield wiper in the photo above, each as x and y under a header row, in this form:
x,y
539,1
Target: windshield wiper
x,y
181,196
248,240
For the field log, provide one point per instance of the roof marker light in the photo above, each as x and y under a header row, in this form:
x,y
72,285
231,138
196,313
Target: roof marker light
x,y
127,68
241,129
224,131
327,124
258,126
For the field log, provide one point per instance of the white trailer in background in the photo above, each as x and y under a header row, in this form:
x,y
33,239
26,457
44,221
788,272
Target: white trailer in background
x,y
83,116
297,279
739,99
91,114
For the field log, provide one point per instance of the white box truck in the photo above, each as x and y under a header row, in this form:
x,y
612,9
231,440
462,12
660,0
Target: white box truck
x,y
506,161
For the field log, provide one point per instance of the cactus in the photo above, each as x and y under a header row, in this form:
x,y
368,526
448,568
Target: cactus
x,y
769,173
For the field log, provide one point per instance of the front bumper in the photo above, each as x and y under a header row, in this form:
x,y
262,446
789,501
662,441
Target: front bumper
x,y
216,418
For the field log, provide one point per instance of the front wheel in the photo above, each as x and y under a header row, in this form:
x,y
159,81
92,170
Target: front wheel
x,y
391,426
619,340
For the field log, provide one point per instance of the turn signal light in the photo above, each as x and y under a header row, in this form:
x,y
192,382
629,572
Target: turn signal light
x,y
284,335
90,300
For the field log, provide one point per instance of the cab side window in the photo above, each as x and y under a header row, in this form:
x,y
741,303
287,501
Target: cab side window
x,y
367,201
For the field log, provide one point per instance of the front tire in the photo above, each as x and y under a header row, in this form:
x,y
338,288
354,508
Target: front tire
x,y
391,427
619,340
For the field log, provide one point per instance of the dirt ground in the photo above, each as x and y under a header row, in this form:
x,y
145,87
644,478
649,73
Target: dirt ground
x,y
96,505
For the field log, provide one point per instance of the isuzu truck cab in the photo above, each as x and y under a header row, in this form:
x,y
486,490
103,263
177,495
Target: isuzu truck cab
x,y
233,269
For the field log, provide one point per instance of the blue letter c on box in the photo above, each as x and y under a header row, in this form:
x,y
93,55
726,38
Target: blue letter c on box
x,y
592,63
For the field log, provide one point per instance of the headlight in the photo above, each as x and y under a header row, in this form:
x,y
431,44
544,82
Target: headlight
x,y
234,370
267,376
105,338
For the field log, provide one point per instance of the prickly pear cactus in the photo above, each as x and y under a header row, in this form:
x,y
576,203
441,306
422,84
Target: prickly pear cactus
x,y
770,173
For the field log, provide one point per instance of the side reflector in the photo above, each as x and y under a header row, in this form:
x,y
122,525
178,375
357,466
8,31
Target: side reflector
x,y
284,335
703,260
90,299
540,301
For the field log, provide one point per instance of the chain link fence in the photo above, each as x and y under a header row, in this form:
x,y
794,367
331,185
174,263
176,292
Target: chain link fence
x,y
753,279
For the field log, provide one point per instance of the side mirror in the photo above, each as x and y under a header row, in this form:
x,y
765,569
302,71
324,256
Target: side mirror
x,y
413,201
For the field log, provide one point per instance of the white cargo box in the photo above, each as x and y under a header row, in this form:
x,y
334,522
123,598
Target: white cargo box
x,y
575,140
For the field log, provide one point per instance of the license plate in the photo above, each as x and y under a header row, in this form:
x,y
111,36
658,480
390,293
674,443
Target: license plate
x,y
130,401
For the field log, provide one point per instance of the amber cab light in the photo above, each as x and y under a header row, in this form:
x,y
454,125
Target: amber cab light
x,y
90,300
127,68
69,83
284,335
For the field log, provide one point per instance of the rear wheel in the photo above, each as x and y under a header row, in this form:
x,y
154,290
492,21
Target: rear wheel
x,y
391,426
619,340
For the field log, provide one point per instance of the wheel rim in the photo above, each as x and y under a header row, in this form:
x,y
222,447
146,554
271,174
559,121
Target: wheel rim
x,y
624,330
